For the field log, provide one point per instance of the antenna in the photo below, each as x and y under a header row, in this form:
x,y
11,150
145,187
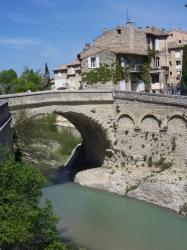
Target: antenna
x,y
128,19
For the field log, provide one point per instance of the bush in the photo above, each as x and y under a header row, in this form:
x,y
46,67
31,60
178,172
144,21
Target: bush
x,y
23,224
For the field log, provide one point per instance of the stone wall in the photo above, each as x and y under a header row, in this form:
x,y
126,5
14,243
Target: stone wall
x,y
105,57
130,39
147,133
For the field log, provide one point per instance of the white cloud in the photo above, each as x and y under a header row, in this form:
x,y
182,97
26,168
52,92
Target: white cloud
x,y
19,42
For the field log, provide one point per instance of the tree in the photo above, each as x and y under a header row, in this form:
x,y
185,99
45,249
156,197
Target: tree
x,y
6,79
24,225
184,69
45,83
29,80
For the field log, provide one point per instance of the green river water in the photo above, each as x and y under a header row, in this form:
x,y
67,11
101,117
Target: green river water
x,y
100,220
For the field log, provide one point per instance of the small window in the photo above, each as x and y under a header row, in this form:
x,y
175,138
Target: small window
x,y
170,63
119,31
171,35
178,62
170,73
180,41
157,62
179,73
93,62
123,62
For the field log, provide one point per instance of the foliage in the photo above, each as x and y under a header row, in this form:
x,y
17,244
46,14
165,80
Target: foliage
x,y
34,138
23,224
184,69
6,78
162,164
173,144
145,74
29,80
118,74
102,74
151,55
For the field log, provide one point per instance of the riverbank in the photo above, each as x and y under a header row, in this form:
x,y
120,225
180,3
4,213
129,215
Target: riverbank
x,y
165,189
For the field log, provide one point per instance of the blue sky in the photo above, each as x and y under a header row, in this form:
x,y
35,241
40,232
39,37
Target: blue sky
x,y
35,31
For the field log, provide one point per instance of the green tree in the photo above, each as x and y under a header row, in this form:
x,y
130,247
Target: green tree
x,y
6,79
23,224
184,69
29,80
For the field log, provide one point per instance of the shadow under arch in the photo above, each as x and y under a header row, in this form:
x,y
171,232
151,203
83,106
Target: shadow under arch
x,y
94,137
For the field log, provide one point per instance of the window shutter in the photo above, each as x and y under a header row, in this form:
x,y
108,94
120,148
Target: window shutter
x,y
97,62
157,44
89,62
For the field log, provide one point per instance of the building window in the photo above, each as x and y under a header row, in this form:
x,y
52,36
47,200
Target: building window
x,y
119,31
171,35
177,54
123,62
170,73
179,73
93,62
180,41
178,62
157,62
170,63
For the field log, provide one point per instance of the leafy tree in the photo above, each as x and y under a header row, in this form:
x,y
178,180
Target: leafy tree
x,y
29,80
6,76
6,79
23,224
184,69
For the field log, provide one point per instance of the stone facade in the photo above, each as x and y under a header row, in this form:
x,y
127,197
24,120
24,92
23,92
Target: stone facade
x,y
68,76
130,46
176,41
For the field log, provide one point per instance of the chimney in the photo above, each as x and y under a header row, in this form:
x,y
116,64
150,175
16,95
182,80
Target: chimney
x,y
87,46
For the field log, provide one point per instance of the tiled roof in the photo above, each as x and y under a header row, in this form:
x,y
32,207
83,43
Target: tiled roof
x,y
155,31
117,50
65,66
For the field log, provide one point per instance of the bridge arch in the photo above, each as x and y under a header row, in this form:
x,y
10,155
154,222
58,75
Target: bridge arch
x,y
126,121
150,122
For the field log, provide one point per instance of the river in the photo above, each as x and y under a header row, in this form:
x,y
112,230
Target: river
x,y
100,220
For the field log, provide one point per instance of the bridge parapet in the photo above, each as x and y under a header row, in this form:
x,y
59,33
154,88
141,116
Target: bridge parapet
x,y
152,98
46,98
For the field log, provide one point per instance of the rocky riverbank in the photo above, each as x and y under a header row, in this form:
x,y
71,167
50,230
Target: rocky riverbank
x,y
166,188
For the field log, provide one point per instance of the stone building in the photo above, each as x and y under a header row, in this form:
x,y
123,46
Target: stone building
x,y
68,76
130,45
176,41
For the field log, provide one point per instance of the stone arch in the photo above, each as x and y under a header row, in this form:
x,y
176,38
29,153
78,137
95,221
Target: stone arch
x,y
96,137
176,123
126,121
150,122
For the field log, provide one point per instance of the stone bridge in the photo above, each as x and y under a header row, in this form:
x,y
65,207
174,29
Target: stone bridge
x,y
118,128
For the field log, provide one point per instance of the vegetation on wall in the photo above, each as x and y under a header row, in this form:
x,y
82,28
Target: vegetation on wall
x,y
106,73
102,74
